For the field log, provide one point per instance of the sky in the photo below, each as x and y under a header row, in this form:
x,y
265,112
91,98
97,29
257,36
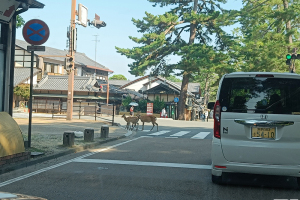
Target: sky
x,y
117,14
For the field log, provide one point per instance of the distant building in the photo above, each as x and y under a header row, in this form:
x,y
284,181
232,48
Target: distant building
x,y
51,62
158,87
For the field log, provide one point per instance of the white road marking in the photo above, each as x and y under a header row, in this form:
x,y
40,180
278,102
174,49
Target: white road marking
x,y
146,130
159,133
61,164
139,163
201,135
180,133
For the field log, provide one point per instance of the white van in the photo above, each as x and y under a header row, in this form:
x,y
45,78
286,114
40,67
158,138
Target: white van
x,y
257,125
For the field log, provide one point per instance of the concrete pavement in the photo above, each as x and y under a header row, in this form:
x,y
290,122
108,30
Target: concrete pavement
x,y
47,136
47,133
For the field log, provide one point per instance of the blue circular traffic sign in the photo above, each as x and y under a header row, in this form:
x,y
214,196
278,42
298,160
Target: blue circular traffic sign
x,y
176,99
36,32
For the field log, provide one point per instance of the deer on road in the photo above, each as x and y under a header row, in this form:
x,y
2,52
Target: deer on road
x,y
148,118
133,120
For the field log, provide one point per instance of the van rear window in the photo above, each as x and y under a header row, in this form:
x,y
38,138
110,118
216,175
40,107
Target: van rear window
x,y
260,95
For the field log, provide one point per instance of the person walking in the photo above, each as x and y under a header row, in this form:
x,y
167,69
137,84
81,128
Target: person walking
x,y
206,116
163,113
131,111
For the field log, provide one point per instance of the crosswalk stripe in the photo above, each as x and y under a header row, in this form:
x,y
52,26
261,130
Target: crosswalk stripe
x,y
159,133
201,135
180,133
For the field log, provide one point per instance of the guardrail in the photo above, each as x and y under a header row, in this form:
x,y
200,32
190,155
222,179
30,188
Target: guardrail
x,y
80,109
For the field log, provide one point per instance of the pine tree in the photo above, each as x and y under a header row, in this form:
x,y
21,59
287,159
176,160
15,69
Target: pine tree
x,y
163,36
269,30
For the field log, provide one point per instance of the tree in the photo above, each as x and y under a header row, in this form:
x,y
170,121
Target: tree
x,y
126,102
23,91
269,30
118,77
20,21
163,36
158,105
173,78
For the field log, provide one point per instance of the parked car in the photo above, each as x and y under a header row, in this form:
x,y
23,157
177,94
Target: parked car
x,y
256,125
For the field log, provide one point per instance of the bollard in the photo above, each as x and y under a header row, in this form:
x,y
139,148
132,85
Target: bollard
x,y
89,135
104,131
68,138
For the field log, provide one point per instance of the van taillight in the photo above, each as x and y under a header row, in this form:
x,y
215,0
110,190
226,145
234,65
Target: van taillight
x,y
217,120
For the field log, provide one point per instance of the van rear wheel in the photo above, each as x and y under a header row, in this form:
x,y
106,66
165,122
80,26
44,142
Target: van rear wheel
x,y
217,179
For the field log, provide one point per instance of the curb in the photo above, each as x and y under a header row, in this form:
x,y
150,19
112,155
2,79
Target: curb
x,y
28,163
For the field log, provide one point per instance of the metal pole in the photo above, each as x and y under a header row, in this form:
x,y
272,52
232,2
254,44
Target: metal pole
x,y
107,92
95,110
113,116
12,64
72,54
79,108
52,110
30,99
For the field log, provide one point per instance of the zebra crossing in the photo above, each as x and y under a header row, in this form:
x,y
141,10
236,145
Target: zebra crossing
x,y
200,135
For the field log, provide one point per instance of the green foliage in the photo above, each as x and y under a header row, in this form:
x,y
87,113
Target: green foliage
x,y
20,21
158,105
126,102
264,36
118,77
162,35
23,91
142,106
173,78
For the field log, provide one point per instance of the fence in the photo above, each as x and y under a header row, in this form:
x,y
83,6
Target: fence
x,y
80,109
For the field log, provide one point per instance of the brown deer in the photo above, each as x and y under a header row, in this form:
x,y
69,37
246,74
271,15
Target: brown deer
x,y
133,120
148,118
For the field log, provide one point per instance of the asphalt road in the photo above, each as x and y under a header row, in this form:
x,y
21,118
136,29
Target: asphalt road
x,y
144,166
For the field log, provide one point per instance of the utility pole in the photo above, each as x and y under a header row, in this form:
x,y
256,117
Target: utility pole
x,y
69,63
72,55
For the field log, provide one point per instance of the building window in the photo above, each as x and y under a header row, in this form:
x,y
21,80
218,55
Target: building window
x,y
23,58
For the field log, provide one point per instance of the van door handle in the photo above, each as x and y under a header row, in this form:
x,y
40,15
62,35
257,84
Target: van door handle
x,y
263,122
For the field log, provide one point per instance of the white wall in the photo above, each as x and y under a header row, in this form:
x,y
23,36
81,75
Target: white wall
x,y
34,80
79,71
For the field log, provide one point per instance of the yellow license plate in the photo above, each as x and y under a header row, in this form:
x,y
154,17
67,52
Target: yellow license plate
x,y
263,132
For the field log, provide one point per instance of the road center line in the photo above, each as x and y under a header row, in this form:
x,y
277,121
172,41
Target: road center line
x,y
140,163
61,164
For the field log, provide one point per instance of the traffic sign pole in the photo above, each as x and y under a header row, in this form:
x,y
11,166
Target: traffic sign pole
x,y
35,32
30,99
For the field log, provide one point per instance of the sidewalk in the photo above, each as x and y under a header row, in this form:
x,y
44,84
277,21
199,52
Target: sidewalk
x,y
47,136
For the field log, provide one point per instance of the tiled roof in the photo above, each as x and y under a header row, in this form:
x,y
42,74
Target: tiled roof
x,y
134,81
178,87
80,58
192,87
115,90
60,83
118,82
22,74
162,87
